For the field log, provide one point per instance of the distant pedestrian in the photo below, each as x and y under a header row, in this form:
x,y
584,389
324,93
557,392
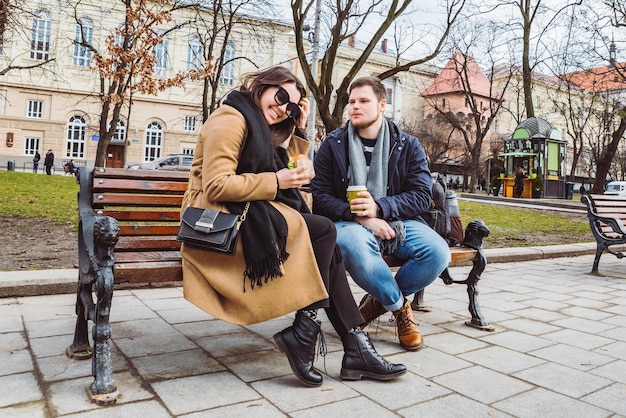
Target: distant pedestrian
x,y
519,181
36,159
69,167
48,162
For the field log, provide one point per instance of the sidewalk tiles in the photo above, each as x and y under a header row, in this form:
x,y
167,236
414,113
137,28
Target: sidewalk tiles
x,y
559,350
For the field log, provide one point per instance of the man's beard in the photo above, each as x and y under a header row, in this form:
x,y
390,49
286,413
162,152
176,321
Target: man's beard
x,y
363,123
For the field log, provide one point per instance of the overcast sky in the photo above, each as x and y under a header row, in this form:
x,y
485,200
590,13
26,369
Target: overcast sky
x,y
426,19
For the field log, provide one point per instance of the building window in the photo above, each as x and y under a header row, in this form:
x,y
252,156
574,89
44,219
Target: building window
x,y
190,123
35,109
31,145
154,141
227,75
467,103
160,52
194,54
443,103
40,36
187,151
538,102
389,95
76,132
120,132
83,36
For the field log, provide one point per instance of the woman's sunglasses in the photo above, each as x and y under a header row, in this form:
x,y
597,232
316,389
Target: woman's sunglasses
x,y
282,97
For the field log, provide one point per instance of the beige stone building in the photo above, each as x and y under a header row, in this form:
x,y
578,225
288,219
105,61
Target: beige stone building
x,y
56,106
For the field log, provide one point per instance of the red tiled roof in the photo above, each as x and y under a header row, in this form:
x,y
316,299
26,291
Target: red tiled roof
x,y
599,79
449,80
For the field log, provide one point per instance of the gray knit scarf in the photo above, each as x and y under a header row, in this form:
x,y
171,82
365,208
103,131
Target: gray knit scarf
x,y
376,177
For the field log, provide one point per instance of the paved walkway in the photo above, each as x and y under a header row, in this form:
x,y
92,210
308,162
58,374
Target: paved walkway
x,y
558,350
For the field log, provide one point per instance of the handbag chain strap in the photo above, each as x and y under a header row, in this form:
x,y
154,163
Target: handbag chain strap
x,y
187,201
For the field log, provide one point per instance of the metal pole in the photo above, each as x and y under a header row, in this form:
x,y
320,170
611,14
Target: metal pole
x,y
314,53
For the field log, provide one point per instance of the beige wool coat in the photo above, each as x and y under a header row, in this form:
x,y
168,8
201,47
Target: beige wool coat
x,y
213,281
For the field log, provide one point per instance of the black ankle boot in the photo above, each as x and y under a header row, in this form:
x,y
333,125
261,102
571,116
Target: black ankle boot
x,y
298,343
360,359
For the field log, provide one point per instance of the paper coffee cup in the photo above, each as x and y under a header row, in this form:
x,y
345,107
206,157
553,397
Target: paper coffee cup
x,y
352,194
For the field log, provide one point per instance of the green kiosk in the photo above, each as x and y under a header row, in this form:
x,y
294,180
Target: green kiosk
x,y
540,150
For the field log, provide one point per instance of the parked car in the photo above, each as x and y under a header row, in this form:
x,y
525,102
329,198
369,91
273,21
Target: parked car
x,y
617,188
172,162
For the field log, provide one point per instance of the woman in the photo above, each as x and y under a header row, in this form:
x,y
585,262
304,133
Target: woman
x,y
286,257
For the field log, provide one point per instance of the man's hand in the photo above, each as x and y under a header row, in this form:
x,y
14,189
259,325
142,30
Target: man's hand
x,y
368,216
379,227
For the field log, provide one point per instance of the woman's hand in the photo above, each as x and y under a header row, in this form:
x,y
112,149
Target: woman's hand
x,y
304,114
292,179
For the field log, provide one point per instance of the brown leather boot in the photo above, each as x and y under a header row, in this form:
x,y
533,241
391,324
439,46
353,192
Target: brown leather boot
x,y
370,309
408,334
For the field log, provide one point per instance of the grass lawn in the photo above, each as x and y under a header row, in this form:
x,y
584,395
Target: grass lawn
x,y
39,196
54,198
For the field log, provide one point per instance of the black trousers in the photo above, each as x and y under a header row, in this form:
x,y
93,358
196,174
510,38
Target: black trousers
x,y
340,306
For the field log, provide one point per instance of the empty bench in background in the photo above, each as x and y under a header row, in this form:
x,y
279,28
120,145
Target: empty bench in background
x,y
607,214
136,213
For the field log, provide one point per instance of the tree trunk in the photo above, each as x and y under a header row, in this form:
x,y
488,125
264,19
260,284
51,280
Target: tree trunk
x,y
604,162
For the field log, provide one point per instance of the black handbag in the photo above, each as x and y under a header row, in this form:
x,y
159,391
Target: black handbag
x,y
210,229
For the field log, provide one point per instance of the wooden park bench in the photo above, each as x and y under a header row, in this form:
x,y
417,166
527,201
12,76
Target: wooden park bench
x,y
607,215
128,221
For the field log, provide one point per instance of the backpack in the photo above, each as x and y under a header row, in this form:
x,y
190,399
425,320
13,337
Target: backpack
x,y
444,216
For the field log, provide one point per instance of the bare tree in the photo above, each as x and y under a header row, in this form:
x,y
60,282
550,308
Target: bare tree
x,y
227,22
533,43
127,63
438,138
345,18
608,16
483,103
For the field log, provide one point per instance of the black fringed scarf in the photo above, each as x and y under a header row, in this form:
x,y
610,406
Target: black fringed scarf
x,y
264,233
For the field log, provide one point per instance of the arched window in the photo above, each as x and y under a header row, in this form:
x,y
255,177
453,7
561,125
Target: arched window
x,y
154,141
119,137
40,35
76,132
227,75
83,36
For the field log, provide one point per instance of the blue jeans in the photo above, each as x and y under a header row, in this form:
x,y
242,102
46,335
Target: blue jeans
x,y
425,252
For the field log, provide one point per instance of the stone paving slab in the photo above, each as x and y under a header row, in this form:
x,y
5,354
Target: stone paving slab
x,y
558,350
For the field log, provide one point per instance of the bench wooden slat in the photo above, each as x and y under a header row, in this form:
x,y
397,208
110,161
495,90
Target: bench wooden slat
x,y
138,215
153,175
138,257
157,271
121,199
138,186
141,230
458,255
146,244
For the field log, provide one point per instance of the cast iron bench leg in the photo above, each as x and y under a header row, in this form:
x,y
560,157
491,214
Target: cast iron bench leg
x,y
474,234
96,274
418,302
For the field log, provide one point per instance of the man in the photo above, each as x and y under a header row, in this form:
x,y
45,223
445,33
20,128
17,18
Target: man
x,y
48,162
36,159
385,219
